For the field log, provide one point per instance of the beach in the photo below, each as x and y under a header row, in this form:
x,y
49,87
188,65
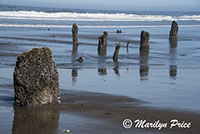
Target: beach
x,y
99,94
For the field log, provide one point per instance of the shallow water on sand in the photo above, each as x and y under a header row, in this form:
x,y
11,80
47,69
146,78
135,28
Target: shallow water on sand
x,y
167,78
185,56
177,89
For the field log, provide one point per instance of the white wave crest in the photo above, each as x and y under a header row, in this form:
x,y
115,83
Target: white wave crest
x,y
70,16
88,26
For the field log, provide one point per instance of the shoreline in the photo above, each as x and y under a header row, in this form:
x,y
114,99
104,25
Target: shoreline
x,y
106,112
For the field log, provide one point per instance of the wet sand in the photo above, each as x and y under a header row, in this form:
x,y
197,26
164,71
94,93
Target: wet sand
x,y
114,109
94,113
61,37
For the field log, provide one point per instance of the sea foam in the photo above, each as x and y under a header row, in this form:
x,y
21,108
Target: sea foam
x,y
90,26
73,16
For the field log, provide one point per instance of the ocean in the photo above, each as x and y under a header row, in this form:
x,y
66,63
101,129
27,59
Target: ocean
x,y
58,18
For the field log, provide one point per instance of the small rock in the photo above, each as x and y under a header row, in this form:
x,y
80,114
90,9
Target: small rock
x,y
119,31
80,59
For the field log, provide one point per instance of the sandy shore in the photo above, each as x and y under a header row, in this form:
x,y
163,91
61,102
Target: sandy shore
x,y
95,113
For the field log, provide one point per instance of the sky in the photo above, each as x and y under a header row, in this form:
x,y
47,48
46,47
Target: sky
x,y
151,5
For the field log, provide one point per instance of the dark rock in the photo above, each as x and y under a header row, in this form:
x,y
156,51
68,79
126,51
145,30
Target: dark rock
x,y
144,43
80,59
119,31
75,38
36,78
116,53
102,46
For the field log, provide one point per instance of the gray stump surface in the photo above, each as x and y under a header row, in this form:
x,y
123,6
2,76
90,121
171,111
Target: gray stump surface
x,y
102,46
144,43
116,53
75,38
36,78
173,35
174,31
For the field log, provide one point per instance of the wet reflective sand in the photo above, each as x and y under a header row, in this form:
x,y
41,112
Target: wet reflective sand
x,y
98,93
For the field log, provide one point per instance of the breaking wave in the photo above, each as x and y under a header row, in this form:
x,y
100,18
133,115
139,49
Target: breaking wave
x,y
89,26
73,16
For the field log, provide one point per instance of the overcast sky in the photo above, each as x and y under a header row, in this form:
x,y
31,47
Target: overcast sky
x,y
187,5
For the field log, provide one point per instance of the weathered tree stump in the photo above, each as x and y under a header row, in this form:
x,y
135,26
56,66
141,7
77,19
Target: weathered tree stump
x,y
36,78
174,31
75,38
116,53
102,46
173,35
144,43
